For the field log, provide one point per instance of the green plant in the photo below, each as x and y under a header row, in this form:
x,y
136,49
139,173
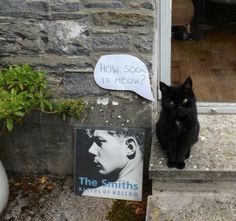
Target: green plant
x,y
22,89
70,107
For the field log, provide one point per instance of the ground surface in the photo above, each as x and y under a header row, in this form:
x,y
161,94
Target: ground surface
x,y
51,198
43,198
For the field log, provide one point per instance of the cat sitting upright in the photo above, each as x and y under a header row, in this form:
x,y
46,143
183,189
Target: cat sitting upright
x,y
178,127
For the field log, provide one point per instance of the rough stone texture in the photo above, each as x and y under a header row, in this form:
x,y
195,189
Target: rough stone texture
x,y
59,204
78,85
144,43
128,19
66,37
44,143
58,35
205,189
111,43
65,6
107,4
212,158
194,206
27,9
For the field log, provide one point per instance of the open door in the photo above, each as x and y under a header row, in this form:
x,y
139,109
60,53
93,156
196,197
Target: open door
x,y
206,52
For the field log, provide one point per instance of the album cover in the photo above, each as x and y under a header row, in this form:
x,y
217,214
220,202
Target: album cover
x,y
109,162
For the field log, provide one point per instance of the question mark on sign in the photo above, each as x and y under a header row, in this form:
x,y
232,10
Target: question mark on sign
x,y
138,83
143,78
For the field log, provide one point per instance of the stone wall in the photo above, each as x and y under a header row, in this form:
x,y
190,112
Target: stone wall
x,y
66,38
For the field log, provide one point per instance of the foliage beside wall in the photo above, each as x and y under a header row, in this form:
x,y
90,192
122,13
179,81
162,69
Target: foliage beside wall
x,y
22,90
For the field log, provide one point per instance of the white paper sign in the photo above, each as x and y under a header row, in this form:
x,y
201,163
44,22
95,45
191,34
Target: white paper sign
x,y
123,72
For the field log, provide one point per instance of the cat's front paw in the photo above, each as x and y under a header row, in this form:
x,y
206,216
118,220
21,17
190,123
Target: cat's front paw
x,y
170,164
180,165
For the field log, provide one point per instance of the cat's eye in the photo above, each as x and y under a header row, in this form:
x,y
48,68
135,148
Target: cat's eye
x,y
172,103
185,101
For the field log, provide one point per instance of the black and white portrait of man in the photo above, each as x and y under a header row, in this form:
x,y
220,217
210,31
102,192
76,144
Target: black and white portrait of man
x,y
110,163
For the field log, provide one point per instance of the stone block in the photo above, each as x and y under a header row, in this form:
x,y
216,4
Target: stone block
x,y
212,158
68,37
65,6
105,4
128,19
39,146
144,43
43,143
111,43
181,206
28,9
148,5
77,85
99,18
20,36
119,112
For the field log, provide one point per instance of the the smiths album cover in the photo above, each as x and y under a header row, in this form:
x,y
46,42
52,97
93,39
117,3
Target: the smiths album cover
x,y
109,162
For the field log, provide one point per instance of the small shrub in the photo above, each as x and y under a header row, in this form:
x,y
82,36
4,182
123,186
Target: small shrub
x,y
22,89
70,107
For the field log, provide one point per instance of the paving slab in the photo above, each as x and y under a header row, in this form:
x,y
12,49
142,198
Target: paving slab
x,y
213,157
183,186
194,206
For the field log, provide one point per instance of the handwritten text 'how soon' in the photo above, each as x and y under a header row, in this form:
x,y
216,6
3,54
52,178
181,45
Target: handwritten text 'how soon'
x,y
123,72
129,73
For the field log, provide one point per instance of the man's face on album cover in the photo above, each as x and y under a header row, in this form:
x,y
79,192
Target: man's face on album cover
x,y
109,151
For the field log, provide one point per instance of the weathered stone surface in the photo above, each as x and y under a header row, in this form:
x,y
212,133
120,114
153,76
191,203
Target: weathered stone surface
x,y
144,43
66,37
52,63
181,206
27,9
111,43
148,5
65,6
39,146
99,19
77,85
58,204
44,143
128,19
114,111
212,158
30,37
20,37
8,48
103,4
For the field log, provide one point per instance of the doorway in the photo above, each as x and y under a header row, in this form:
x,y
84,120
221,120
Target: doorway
x,y
207,53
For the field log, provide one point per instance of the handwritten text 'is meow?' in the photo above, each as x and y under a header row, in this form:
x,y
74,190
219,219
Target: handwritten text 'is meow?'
x,y
123,72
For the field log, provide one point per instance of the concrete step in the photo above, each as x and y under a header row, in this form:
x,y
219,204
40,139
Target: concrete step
x,y
189,186
212,158
191,206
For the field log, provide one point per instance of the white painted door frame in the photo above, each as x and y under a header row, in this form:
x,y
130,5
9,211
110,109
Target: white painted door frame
x,y
164,59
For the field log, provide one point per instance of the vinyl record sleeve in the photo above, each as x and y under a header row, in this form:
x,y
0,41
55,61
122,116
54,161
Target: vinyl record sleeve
x,y
109,168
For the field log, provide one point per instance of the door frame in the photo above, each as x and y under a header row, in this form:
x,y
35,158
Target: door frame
x,y
164,60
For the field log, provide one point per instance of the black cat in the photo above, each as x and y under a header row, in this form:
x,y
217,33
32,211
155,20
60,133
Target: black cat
x,y
177,128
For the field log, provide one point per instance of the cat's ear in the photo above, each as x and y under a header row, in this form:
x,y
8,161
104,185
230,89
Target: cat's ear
x,y
163,87
188,84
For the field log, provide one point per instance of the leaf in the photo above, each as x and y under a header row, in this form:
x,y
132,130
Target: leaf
x,y
49,104
9,124
42,180
19,114
64,116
